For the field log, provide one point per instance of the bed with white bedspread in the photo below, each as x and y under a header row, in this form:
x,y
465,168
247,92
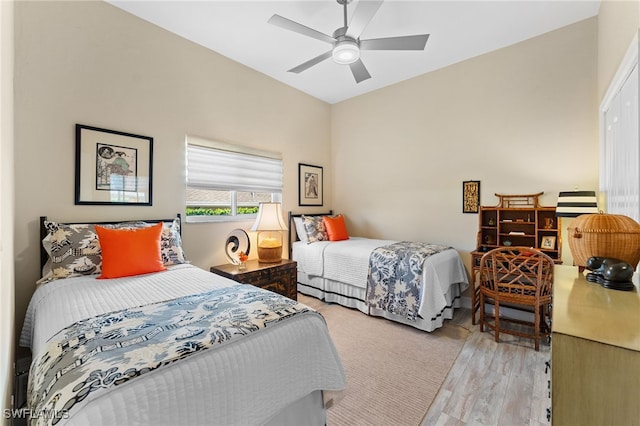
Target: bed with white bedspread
x,y
233,354
339,272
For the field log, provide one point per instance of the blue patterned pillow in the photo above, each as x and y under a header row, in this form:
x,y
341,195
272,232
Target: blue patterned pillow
x,y
314,225
171,244
73,251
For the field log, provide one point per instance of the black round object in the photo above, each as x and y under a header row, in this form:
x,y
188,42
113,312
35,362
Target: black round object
x,y
611,273
594,262
614,285
619,272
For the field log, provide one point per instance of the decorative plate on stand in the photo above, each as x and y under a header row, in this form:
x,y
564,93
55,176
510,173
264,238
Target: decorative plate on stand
x,y
237,241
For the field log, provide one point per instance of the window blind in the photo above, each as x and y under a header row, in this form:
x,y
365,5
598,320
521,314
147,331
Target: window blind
x,y
620,177
220,169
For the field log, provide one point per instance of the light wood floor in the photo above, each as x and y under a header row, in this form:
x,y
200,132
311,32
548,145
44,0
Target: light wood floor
x,y
493,383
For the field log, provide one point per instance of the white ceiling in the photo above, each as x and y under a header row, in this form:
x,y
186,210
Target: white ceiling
x,y
458,30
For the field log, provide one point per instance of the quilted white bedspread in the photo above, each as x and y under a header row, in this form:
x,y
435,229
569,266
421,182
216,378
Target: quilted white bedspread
x,y
245,382
345,261
348,262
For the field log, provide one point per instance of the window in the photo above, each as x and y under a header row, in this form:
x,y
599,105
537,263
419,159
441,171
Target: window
x,y
620,143
228,182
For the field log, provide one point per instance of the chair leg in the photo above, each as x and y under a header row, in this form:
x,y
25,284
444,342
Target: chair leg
x,y
543,319
481,319
536,330
496,321
547,317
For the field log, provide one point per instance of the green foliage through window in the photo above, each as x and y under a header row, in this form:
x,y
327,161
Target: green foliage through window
x,y
218,211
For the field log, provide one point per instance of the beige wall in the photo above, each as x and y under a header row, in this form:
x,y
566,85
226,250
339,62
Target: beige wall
x,y
6,206
91,63
618,23
521,120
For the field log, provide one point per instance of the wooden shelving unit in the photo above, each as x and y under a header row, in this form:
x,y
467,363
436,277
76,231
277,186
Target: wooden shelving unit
x,y
517,220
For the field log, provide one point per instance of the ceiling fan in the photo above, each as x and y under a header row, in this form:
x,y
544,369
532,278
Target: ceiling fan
x,y
346,39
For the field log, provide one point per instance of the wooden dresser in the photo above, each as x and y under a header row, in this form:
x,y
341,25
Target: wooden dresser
x,y
280,277
595,352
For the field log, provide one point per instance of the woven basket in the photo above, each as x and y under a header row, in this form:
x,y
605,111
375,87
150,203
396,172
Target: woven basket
x,y
606,235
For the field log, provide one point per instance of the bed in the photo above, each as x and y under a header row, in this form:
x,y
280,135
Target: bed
x,y
175,346
340,270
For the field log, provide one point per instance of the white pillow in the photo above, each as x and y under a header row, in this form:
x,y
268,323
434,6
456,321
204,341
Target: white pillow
x,y
300,229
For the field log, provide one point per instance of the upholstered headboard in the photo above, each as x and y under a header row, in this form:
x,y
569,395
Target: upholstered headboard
x,y
293,235
43,231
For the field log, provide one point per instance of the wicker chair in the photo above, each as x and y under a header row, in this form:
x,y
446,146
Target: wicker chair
x,y
519,277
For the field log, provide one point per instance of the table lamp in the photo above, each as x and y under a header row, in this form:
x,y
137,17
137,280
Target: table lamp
x,y
575,203
572,204
269,225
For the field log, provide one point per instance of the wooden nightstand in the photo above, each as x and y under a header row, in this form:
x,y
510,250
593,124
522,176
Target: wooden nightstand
x,y
281,277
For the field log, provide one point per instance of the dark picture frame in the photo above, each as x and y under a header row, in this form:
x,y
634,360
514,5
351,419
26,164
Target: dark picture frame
x,y
310,185
470,196
112,167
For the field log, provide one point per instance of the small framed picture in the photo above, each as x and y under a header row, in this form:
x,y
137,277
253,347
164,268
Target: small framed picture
x,y
548,243
309,185
470,196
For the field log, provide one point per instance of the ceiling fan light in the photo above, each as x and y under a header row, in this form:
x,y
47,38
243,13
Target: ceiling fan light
x,y
346,52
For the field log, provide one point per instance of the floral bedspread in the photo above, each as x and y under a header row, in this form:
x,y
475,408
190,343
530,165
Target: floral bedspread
x,y
97,354
394,282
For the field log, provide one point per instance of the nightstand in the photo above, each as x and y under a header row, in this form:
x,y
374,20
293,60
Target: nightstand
x,y
280,277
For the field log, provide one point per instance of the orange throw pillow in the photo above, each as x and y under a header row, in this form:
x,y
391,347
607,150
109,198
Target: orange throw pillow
x,y
336,228
127,252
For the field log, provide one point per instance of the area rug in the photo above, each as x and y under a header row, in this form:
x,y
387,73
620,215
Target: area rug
x,y
393,371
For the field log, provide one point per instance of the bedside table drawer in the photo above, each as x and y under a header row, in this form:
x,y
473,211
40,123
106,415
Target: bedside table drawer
x,y
281,277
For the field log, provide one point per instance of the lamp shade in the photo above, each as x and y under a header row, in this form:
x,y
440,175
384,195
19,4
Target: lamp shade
x,y
575,203
269,218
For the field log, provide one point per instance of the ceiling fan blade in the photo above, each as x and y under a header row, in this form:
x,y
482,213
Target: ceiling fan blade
x,y
290,25
414,42
311,62
359,71
361,16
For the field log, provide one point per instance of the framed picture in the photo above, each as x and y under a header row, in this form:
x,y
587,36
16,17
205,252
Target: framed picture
x,y
113,168
548,243
470,196
309,185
